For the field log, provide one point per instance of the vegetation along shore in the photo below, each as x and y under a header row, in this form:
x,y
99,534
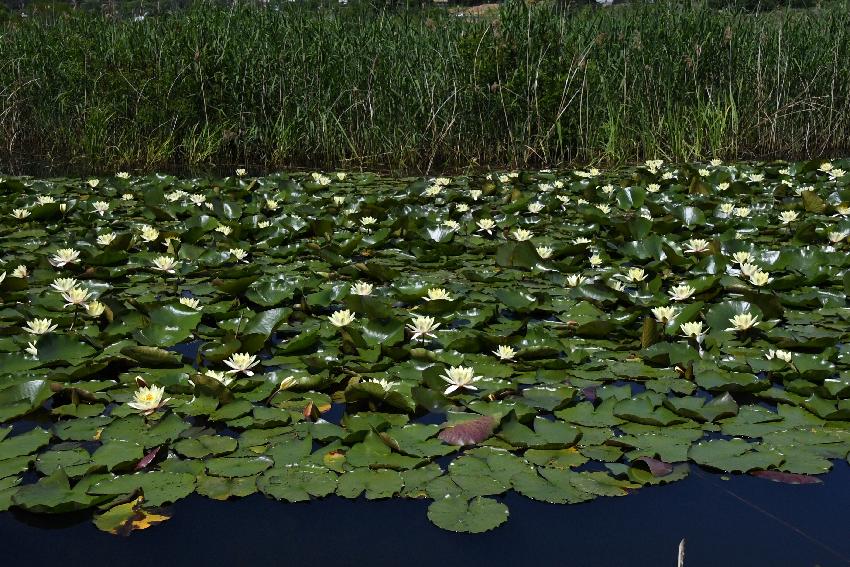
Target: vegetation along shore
x,y
422,89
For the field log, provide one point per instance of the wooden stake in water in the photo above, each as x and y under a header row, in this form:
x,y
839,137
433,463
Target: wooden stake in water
x,y
681,562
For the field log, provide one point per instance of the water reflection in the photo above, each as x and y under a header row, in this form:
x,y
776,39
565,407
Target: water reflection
x,y
740,522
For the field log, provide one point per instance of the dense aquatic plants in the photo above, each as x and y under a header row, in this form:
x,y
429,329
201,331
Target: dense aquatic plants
x,y
529,83
566,335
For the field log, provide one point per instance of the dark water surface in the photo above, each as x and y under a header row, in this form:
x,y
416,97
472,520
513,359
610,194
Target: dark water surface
x,y
743,521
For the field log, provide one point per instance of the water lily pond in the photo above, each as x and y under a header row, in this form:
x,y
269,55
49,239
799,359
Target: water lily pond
x,y
562,335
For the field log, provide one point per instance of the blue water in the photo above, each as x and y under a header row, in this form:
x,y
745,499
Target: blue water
x,y
743,521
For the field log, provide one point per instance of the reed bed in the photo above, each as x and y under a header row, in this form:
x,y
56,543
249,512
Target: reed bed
x,y
421,90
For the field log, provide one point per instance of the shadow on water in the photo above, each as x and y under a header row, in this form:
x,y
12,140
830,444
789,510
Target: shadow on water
x,y
743,521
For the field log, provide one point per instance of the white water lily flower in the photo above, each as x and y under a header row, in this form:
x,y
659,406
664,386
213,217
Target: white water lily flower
x,y
825,167
636,275
653,188
31,349
20,213
122,175
704,172
742,212
564,199
93,183
760,278
727,208
842,210
241,362
362,288
432,191
780,354
64,285
664,314
722,186
264,224
654,164
106,238
459,377
198,199
462,207
616,285
787,217
219,376
148,233
681,292
165,264
148,399
40,326
581,240
127,197
696,245
452,224
77,296
693,329
575,280
742,322
836,173
100,207
64,256
224,229
595,260
603,207
756,177
341,176
747,269
544,252
504,352
192,302
423,327
522,234
241,172
837,236
475,194
437,293
339,199
45,199
20,272
486,225
668,175
535,208
715,162
504,178
341,318
238,253
95,309
367,221
742,257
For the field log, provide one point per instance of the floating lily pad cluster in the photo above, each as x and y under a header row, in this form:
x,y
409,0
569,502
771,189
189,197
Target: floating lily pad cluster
x,y
565,335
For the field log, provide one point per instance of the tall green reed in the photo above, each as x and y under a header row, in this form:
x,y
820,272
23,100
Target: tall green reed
x,y
421,90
